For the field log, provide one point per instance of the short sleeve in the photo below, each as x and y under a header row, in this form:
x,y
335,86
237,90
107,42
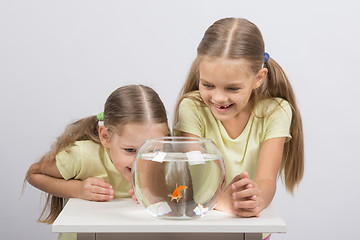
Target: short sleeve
x,y
279,121
189,118
69,162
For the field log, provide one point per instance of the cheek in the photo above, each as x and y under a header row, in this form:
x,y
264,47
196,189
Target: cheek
x,y
204,95
206,99
201,92
244,96
117,158
125,161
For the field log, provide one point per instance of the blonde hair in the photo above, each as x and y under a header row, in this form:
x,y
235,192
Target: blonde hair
x,y
238,38
127,104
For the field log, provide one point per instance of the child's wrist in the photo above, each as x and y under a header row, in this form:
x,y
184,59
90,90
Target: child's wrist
x,y
75,187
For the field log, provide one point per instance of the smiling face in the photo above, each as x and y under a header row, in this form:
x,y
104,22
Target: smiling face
x,y
226,86
123,147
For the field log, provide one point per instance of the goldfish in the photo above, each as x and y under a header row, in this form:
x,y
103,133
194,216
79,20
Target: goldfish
x,y
176,194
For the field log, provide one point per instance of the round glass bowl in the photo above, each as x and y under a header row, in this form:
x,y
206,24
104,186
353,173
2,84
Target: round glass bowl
x,y
178,177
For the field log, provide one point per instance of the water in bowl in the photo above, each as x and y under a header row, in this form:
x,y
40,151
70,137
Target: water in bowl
x,y
178,185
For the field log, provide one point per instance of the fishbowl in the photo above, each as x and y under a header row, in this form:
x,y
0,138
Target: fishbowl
x,y
178,177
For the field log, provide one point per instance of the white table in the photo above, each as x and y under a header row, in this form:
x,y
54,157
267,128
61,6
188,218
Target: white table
x,y
125,219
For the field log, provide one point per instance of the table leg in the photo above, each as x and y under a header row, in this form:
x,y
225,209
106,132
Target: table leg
x,y
172,236
86,236
253,236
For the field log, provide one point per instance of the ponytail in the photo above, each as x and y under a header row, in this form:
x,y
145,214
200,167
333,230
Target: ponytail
x,y
278,85
83,129
191,84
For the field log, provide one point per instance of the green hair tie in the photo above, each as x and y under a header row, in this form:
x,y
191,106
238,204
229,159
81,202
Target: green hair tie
x,y
100,116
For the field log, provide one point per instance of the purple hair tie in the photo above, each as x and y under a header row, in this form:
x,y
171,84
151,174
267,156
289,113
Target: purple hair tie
x,y
267,56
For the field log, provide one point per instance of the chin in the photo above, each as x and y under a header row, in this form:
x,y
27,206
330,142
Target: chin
x,y
221,117
127,177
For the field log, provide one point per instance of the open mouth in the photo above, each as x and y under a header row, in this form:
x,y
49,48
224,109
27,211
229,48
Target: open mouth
x,y
128,173
223,106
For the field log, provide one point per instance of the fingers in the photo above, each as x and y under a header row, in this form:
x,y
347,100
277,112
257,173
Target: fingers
x,y
242,183
101,187
248,192
132,194
245,196
246,203
96,189
247,207
244,175
244,187
255,212
102,191
249,204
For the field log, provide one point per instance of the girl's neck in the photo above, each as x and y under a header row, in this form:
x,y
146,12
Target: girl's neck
x,y
235,126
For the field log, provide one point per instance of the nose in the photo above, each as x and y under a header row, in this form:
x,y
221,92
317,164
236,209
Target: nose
x,y
130,162
219,97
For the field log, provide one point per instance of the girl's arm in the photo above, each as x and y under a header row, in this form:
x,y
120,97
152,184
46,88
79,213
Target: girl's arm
x,y
268,168
248,198
185,134
251,197
45,176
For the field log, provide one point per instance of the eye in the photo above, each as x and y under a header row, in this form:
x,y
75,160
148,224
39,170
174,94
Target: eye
x,y
130,150
233,88
207,85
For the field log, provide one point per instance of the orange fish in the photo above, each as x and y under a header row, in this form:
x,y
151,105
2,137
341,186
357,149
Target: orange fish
x,y
176,194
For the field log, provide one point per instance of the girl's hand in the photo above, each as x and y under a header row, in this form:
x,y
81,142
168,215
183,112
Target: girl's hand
x,y
96,189
246,196
132,194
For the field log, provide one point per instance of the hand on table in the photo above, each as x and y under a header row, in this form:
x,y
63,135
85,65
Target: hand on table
x,y
132,194
246,196
242,197
96,189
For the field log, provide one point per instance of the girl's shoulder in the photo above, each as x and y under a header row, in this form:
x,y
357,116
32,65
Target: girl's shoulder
x,y
270,105
87,144
83,146
192,98
89,149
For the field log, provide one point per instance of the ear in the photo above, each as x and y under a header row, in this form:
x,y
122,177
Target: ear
x,y
260,77
104,136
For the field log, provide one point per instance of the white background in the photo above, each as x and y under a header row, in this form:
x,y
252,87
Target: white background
x,y
59,60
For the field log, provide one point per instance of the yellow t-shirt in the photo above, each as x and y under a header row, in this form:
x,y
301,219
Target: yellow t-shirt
x,y
270,118
88,159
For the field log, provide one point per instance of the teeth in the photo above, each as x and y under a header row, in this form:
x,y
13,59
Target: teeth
x,y
222,107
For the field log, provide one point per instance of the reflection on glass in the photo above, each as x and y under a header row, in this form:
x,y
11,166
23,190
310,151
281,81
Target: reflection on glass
x,y
177,177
